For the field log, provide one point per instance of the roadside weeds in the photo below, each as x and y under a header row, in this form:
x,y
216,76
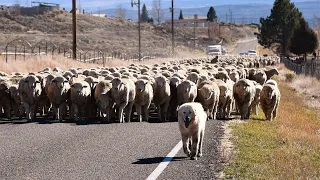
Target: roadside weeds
x,y
286,148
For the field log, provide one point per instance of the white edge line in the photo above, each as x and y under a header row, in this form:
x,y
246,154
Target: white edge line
x,y
162,166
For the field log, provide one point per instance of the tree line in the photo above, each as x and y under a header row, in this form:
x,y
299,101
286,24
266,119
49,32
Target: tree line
x,y
287,30
158,12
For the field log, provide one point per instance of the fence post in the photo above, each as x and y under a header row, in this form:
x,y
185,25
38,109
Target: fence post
x,y
103,59
46,48
15,53
6,54
24,52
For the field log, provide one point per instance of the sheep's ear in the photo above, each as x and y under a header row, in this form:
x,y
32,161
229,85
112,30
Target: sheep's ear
x,y
38,82
66,81
85,86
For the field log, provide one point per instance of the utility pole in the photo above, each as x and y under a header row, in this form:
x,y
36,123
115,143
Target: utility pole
x,y
74,30
172,25
139,25
230,15
226,18
194,31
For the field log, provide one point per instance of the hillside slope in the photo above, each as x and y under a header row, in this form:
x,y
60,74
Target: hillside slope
x,y
107,35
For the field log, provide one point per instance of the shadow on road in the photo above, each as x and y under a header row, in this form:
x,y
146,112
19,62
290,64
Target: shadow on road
x,y
157,160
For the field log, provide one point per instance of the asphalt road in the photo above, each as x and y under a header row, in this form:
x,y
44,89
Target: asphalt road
x,y
101,151
244,46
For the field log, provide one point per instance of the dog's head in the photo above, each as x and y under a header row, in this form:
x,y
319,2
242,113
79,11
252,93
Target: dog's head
x,y
187,114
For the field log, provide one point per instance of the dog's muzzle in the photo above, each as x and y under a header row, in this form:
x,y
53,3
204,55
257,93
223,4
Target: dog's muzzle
x,y
187,121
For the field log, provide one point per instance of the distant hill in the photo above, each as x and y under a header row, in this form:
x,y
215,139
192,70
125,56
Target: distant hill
x,y
247,13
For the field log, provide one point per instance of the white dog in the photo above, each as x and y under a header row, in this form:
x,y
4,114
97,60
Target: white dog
x,y
192,122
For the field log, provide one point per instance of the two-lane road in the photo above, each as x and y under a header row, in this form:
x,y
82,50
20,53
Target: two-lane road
x,y
101,151
245,45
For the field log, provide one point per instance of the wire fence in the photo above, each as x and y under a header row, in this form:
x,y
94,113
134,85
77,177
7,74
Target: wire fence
x,y
310,67
20,48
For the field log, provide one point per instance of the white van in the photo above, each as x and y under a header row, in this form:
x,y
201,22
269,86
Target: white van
x,y
214,50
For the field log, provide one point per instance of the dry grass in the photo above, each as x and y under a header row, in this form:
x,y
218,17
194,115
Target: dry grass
x,y
37,63
287,148
310,88
107,35
261,50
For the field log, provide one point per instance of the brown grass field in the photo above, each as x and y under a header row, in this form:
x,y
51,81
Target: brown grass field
x,y
37,63
286,148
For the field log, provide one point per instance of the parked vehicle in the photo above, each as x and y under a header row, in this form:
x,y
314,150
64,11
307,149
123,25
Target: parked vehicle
x,y
252,52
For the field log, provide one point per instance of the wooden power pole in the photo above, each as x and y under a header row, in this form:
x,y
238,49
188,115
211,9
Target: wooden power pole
x,y
172,24
139,25
74,30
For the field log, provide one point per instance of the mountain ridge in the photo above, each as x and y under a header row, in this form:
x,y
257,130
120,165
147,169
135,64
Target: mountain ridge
x,y
241,13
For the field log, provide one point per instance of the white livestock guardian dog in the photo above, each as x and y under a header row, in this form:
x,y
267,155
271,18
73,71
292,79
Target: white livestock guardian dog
x,y
192,122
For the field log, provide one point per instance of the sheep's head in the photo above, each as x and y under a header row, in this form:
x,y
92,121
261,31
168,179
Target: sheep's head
x,y
161,81
78,87
117,84
60,82
269,91
141,85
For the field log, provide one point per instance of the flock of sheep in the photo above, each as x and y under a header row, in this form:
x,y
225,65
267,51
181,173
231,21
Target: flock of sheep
x,y
222,85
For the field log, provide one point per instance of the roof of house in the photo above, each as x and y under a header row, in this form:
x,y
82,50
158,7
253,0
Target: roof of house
x,y
187,20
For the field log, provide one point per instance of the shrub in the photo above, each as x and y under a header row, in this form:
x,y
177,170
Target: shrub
x,y
290,75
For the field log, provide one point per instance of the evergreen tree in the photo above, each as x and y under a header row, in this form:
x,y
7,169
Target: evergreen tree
x,y
277,29
151,21
211,16
144,14
304,39
181,15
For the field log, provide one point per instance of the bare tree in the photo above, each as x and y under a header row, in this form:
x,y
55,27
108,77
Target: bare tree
x,y
121,13
157,12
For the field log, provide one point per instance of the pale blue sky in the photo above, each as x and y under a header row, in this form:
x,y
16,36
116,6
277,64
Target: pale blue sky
x,y
106,4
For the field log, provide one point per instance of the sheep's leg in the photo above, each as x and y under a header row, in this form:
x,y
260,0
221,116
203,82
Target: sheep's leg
x,y
76,113
164,111
159,112
138,109
33,111
229,108
27,109
120,113
146,113
62,111
210,111
129,111
275,111
7,110
55,108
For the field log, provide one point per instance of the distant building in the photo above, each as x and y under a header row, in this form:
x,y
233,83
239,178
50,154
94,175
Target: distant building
x,y
99,15
201,21
36,8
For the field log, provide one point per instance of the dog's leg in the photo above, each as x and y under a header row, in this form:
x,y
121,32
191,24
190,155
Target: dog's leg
x,y
200,144
195,146
185,143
